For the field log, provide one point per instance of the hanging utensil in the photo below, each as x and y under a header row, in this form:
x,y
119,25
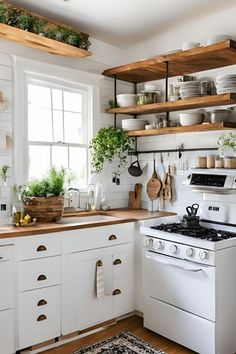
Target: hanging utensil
x,y
154,184
135,169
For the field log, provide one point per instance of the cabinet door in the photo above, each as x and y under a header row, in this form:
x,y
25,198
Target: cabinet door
x,y
6,332
80,306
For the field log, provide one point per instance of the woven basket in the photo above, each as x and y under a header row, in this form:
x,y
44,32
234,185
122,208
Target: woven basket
x,y
44,208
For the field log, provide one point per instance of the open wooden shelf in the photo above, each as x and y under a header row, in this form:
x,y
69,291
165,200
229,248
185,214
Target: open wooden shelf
x,y
185,129
40,42
180,63
189,103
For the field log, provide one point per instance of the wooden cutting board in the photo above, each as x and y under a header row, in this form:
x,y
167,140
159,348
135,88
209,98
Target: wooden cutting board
x,y
154,185
135,197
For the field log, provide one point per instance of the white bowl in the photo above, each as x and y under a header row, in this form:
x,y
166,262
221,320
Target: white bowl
x,y
126,99
191,118
190,45
218,38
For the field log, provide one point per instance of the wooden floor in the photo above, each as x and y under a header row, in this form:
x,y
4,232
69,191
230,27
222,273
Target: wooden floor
x,y
133,324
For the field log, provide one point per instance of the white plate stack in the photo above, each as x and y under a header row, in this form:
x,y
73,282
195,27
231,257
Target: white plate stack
x,y
226,84
133,124
190,89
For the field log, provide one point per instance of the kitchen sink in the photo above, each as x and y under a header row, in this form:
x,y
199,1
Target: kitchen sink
x,y
85,219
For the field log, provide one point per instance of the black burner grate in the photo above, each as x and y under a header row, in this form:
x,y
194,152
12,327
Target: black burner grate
x,y
198,232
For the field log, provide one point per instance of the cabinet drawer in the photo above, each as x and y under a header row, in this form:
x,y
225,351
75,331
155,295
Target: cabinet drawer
x,y
38,273
6,332
122,299
39,316
96,237
120,264
38,246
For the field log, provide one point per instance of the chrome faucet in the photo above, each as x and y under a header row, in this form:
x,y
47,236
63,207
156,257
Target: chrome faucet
x,y
71,189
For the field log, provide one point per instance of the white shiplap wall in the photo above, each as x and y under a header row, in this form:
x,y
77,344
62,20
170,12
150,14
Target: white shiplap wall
x,y
6,117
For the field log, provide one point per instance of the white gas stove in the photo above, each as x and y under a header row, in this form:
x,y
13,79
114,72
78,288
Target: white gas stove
x,y
190,276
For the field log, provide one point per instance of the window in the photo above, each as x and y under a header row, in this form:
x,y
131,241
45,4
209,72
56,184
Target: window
x,y
58,128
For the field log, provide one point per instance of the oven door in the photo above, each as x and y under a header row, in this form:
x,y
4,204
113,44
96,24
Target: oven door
x,y
183,284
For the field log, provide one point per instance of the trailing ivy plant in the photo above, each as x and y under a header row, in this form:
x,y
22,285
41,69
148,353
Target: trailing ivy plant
x,y
107,144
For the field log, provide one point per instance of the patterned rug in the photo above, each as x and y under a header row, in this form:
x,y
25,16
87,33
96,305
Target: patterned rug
x,y
123,343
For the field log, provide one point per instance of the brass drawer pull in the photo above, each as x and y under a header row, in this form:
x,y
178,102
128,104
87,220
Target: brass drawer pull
x,y
42,302
99,263
41,248
112,237
117,261
41,277
41,318
116,292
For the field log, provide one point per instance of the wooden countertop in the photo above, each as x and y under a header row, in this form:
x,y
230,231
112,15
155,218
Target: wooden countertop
x,y
123,215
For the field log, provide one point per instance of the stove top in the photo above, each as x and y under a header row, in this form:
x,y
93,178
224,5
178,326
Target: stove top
x,y
199,232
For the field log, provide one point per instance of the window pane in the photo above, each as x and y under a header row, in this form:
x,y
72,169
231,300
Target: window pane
x,y
78,163
60,156
39,161
72,101
74,131
39,96
39,124
57,99
58,126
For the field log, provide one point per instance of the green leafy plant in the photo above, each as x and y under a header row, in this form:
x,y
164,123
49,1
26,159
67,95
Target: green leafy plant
x,y
107,144
227,142
38,25
50,185
3,172
24,21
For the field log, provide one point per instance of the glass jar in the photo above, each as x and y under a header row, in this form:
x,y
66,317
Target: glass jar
x,y
219,162
201,162
230,162
211,161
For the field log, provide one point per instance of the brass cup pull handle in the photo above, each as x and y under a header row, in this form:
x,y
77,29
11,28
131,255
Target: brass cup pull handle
x,y
42,302
41,277
41,318
41,248
117,261
116,292
112,237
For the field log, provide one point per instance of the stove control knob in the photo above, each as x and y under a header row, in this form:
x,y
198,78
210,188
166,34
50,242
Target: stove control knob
x,y
189,252
147,242
173,249
203,255
158,245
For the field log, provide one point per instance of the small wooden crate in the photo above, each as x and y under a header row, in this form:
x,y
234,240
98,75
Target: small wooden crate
x,y
44,208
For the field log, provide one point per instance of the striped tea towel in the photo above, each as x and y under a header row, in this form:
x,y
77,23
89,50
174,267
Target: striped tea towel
x,y
99,280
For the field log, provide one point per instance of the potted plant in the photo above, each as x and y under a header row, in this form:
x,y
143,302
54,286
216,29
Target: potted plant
x,y
3,173
227,144
44,199
107,144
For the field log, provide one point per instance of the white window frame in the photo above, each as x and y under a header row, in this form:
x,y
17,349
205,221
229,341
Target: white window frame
x,y
78,88
24,68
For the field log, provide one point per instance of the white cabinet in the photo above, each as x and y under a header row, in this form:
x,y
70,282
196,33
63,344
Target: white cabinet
x,y
6,300
38,289
6,332
80,306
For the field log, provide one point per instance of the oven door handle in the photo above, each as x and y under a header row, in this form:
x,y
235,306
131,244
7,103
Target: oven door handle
x,y
154,258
